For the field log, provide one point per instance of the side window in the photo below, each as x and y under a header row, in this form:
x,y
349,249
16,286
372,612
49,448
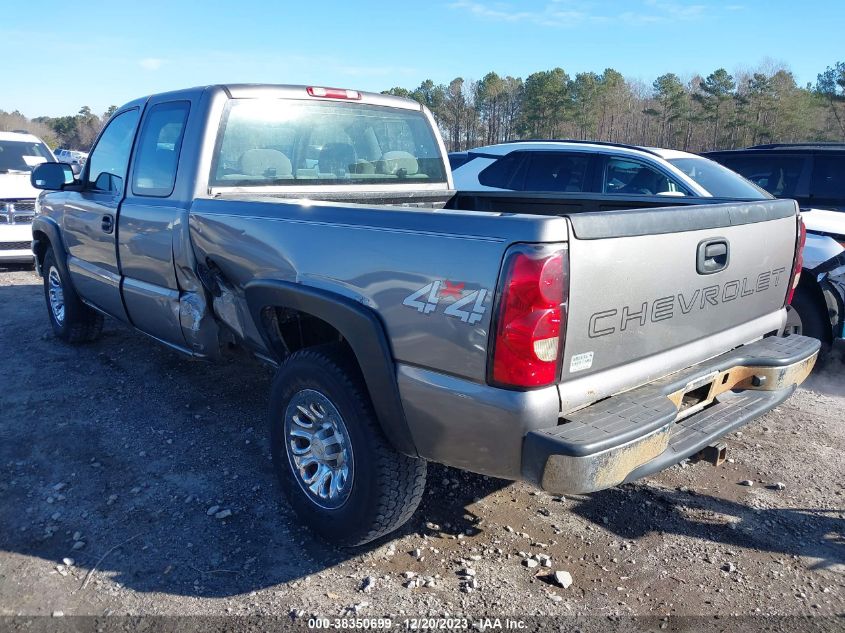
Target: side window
x,y
159,144
828,179
505,173
776,174
630,177
557,171
110,158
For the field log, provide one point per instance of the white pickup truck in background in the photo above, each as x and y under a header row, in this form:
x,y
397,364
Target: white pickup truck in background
x,y
19,153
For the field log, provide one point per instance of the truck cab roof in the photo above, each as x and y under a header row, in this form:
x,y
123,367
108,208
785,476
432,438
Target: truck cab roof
x,y
283,91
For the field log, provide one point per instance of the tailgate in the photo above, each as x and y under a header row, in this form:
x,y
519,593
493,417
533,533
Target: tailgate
x,y
645,282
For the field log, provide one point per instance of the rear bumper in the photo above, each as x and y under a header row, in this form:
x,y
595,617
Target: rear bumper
x,y
647,429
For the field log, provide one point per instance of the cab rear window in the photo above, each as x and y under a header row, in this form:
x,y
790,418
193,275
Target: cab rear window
x,y
279,142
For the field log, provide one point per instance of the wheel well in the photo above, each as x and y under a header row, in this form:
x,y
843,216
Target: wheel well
x,y
40,244
290,316
290,330
811,288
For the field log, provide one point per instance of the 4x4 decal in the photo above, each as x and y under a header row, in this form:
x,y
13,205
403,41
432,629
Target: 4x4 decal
x,y
466,305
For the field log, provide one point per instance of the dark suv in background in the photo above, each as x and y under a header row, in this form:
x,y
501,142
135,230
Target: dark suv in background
x,y
814,175
811,173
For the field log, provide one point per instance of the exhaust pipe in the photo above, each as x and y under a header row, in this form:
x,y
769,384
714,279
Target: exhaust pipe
x,y
715,454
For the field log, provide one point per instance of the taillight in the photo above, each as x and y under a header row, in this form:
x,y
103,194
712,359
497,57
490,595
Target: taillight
x,y
333,93
799,260
531,316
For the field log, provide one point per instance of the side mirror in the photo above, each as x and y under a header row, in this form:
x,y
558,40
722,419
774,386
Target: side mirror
x,y
76,168
51,176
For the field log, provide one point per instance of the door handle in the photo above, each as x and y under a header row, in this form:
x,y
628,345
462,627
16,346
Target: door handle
x,y
713,255
107,224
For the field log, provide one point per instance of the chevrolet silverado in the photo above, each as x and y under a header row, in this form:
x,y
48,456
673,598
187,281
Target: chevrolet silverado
x,y
572,341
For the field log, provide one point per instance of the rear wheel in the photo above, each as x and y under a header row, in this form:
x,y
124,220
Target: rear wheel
x,y
334,464
72,320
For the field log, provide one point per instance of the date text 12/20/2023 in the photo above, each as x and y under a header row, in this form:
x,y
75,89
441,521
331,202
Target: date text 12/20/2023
x,y
417,624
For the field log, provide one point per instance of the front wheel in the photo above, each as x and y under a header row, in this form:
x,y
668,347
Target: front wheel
x,y
333,462
71,319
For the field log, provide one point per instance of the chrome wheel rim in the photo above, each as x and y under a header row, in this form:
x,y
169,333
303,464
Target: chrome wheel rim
x,y
57,295
794,324
318,448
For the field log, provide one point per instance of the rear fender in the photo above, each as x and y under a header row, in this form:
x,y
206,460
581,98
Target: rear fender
x,y
363,331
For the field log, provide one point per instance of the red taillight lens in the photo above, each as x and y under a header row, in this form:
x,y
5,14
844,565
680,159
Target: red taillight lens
x,y
531,318
333,93
799,260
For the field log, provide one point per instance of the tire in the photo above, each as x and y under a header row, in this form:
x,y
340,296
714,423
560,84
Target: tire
x,y
376,489
72,320
809,317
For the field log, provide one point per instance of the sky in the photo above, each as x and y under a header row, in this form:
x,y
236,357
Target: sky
x,y
56,57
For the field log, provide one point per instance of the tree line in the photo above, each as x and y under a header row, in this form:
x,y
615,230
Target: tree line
x,y
719,111
77,131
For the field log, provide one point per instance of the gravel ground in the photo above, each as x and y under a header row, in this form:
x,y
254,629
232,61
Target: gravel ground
x,y
115,454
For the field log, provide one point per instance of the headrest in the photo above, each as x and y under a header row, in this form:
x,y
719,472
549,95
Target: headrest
x,y
396,160
256,162
335,157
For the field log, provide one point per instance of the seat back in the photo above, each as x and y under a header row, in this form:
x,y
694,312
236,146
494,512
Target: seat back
x,y
397,161
337,159
270,163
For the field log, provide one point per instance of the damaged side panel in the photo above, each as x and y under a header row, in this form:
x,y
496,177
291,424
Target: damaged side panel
x,y
199,327
229,309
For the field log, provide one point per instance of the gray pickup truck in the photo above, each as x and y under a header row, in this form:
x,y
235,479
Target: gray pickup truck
x,y
576,345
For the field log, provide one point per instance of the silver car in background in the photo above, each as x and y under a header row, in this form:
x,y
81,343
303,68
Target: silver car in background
x,y
610,169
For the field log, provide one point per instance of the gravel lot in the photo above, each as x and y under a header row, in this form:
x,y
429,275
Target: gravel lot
x,y
115,454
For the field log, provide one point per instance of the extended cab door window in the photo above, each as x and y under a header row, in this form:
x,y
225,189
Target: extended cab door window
x,y
159,145
625,176
108,162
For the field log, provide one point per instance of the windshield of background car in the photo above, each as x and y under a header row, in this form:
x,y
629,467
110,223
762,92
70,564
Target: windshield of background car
x,y
278,142
22,155
720,181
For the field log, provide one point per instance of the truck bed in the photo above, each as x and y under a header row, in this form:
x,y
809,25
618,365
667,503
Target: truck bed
x,y
619,261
